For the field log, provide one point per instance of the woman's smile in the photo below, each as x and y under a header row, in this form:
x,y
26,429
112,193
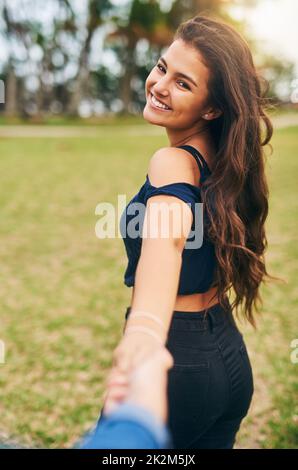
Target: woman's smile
x,y
157,105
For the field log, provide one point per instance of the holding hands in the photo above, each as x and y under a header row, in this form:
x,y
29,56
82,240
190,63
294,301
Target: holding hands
x,y
140,363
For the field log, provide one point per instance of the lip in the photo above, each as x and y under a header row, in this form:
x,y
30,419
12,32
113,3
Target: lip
x,y
155,107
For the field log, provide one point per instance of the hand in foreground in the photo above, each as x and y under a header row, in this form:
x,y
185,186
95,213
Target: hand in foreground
x,y
146,385
131,352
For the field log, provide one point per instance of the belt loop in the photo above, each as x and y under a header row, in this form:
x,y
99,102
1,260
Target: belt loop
x,y
211,323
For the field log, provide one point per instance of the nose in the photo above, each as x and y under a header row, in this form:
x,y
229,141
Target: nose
x,y
161,87
160,91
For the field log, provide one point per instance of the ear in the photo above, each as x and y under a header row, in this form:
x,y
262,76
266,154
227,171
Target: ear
x,y
212,114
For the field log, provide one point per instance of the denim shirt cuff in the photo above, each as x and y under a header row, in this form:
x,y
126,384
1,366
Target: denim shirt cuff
x,y
133,412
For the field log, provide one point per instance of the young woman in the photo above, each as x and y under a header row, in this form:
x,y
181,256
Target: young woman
x,y
206,93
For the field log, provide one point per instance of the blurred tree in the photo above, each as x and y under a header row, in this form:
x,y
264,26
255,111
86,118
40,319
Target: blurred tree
x,y
96,11
279,74
145,21
15,30
54,61
31,49
182,10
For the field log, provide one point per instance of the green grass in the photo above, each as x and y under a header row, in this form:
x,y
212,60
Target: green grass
x,y
272,421
284,254
63,300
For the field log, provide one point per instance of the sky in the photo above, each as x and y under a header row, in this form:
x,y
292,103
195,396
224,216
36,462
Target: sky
x,y
274,23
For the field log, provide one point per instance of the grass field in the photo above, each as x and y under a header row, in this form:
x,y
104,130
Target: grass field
x,y
63,300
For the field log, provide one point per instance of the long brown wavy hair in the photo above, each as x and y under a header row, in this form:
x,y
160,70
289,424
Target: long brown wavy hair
x,y
235,195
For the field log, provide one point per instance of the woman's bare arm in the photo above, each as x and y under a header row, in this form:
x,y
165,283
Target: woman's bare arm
x,y
156,284
159,266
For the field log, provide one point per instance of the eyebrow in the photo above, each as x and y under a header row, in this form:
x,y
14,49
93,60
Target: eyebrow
x,y
180,73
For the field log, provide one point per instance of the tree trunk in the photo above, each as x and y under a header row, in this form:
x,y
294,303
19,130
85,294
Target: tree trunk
x,y
11,102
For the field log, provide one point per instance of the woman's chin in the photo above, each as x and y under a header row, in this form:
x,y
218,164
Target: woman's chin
x,y
150,116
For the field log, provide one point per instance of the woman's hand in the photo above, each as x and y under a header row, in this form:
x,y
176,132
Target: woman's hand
x,y
146,386
132,350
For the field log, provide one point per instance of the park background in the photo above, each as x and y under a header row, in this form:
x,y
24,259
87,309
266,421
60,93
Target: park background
x,y
72,135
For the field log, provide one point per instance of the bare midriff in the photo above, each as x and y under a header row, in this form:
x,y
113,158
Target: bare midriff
x,y
194,302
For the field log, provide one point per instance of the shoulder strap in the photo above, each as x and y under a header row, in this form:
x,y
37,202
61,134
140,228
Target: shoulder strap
x,y
204,169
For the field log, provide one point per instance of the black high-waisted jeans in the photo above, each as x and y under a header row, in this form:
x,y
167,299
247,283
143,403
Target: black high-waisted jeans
x,y
210,386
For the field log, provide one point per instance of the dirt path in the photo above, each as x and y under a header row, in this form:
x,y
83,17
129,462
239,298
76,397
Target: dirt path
x,y
75,131
30,131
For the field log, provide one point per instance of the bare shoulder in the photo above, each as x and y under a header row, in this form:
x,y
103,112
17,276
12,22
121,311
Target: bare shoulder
x,y
172,165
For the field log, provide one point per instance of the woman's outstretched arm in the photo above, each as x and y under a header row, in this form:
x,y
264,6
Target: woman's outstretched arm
x,y
156,282
167,223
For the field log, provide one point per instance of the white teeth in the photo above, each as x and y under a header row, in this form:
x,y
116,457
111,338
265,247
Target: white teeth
x,y
158,103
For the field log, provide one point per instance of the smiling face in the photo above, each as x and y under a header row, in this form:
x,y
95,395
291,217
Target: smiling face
x,y
186,97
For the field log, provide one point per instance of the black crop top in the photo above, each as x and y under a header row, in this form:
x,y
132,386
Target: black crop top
x,y
197,269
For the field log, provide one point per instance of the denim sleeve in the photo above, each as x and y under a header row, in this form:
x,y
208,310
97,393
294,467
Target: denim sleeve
x,y
130,426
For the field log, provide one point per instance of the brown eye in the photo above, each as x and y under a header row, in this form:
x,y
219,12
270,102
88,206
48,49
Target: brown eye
x,y
160,67
180,81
